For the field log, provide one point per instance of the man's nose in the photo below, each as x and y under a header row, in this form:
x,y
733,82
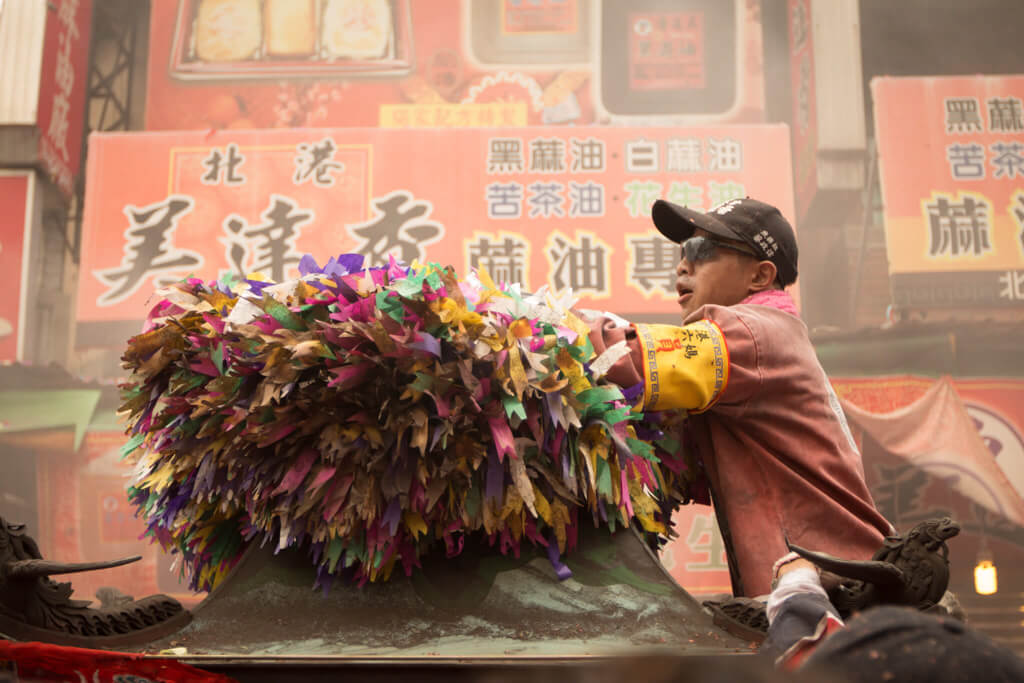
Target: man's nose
x,y
683,268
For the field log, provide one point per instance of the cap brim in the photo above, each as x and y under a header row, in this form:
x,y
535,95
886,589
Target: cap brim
x,y
679,223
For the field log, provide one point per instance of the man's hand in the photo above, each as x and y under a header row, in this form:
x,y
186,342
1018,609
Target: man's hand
x,y
605,332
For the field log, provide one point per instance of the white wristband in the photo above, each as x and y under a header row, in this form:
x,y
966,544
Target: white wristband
x,y
784,560
801,580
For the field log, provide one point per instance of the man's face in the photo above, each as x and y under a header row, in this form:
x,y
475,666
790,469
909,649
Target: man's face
x,y
723,279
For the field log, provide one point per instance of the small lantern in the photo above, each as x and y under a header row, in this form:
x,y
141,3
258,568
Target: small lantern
x,y
985,582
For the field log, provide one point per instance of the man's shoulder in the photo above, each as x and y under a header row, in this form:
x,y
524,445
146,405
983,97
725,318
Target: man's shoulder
x,y
757,318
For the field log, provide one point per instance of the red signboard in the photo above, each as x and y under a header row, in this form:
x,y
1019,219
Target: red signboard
x,y
953,186
696,559
666,50
62,90
337,63
559,206
16,198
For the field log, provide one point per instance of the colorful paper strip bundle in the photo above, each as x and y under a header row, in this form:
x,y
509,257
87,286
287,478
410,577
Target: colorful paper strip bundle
x,y
372,414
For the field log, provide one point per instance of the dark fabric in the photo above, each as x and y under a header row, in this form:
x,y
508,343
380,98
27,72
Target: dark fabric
x,y
759,225
798,618
902,644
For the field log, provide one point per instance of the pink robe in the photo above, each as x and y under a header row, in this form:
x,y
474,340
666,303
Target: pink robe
x,y
780,459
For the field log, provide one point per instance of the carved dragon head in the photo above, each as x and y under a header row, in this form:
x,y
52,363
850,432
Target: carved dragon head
x,y
15,544
933,533
911,569
20,559
34,607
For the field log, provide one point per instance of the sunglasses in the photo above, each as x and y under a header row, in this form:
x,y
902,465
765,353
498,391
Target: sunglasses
x,y
697,249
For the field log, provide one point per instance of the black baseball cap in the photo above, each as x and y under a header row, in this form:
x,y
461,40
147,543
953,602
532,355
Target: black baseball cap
x,y
761,226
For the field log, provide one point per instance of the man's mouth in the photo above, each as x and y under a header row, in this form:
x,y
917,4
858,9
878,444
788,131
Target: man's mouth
x,y
684,293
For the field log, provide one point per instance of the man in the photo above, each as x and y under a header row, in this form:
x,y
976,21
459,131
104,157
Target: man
x,y
779,456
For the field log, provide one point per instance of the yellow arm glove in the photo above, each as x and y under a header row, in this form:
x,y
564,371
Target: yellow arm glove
x,y
684,367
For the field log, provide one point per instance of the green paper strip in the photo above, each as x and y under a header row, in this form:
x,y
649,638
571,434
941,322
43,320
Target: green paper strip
x,y
513,406
218,357
472,502
423,382
410,287
596,395
132,444
604,478
334,550
389,305
669,443
281,314
642,448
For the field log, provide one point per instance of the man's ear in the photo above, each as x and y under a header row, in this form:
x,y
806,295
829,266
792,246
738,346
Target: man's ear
x,y
763,276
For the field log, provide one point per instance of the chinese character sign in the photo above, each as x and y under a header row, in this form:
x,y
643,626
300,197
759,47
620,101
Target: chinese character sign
x,y
16,188
62,89
555,206
696,559
953,188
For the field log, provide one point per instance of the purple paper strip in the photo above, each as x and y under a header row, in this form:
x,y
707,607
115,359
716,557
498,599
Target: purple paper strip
x,y
495,475
258,285
426,342
435,435
632,392
560,567
345,290
349,263
307,265
393,515
647,434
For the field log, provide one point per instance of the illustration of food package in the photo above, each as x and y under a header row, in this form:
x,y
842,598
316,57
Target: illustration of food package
x,y
314,63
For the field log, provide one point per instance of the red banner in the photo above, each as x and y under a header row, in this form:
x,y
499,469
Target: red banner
x,y
16,199
936,436
995,406
401,63
43,663
952,180
564,207
62,90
